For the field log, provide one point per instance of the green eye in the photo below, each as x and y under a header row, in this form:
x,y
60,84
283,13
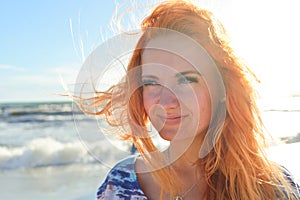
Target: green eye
x,y
149,83
185,80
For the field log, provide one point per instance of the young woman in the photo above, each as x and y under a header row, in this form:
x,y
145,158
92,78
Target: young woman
x,y
184,79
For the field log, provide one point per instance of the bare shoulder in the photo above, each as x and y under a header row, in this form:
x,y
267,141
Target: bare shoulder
x,y
146,182
142,171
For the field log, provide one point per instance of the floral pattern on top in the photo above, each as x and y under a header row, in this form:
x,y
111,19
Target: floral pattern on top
x,y
121,182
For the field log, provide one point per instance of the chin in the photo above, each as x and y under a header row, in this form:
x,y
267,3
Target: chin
x,y
173,136
176,135
167,135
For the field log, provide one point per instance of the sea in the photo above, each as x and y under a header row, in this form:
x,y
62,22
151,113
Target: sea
x,y
51,150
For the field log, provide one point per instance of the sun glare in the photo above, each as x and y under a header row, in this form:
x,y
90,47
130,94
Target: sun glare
x,y
265,34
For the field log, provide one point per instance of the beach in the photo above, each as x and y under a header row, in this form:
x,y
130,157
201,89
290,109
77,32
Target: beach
x,y
50,150
61,182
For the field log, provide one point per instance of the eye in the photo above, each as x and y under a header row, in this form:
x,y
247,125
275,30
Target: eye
x,y
148,82
187,79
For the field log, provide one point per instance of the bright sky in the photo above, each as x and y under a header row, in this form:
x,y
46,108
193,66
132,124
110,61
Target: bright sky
x,y
36,44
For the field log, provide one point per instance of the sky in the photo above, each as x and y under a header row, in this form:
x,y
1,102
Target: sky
x,y
44,42
36,44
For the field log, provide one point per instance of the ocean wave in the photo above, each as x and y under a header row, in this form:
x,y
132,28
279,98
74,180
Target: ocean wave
x,y
43,119
32,112
39,113
43,152
23,109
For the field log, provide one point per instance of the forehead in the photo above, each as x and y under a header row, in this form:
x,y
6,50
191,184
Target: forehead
x,y
160,60
175,52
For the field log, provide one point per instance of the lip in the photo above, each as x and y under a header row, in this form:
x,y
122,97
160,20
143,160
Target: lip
x,y
172,119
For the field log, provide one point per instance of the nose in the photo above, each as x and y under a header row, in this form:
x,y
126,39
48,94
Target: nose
x,y
167,98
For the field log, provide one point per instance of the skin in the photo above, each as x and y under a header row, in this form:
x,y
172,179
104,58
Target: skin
x,y
175,96
178,103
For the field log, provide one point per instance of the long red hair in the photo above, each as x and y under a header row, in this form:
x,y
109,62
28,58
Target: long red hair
x,y
237,167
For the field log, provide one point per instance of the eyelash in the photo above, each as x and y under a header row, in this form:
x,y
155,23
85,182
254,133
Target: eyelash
x,y
150,83
187,79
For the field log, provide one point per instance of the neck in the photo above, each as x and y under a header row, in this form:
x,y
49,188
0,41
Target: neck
x,y
183,154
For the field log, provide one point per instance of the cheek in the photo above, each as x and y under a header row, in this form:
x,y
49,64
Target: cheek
x,y
148,100
199,103
197,99
204,106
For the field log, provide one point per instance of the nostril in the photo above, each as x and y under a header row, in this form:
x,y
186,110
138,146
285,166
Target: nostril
x,y
157,109
168,99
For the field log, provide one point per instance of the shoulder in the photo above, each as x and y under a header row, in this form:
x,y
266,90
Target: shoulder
x,y
121,182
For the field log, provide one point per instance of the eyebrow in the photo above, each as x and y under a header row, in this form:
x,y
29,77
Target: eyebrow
x,y
187,72
150,76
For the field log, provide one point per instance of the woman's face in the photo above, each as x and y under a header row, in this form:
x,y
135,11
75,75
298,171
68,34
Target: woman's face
x,y
175,94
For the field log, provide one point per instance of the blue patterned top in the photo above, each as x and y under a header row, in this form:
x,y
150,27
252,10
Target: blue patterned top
x,y
121,183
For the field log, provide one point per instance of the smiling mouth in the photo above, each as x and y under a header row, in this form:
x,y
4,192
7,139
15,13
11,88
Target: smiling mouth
x,y
172,120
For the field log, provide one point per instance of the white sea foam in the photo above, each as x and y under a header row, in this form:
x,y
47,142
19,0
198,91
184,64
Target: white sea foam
x,y
49,152
44,134
41,152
